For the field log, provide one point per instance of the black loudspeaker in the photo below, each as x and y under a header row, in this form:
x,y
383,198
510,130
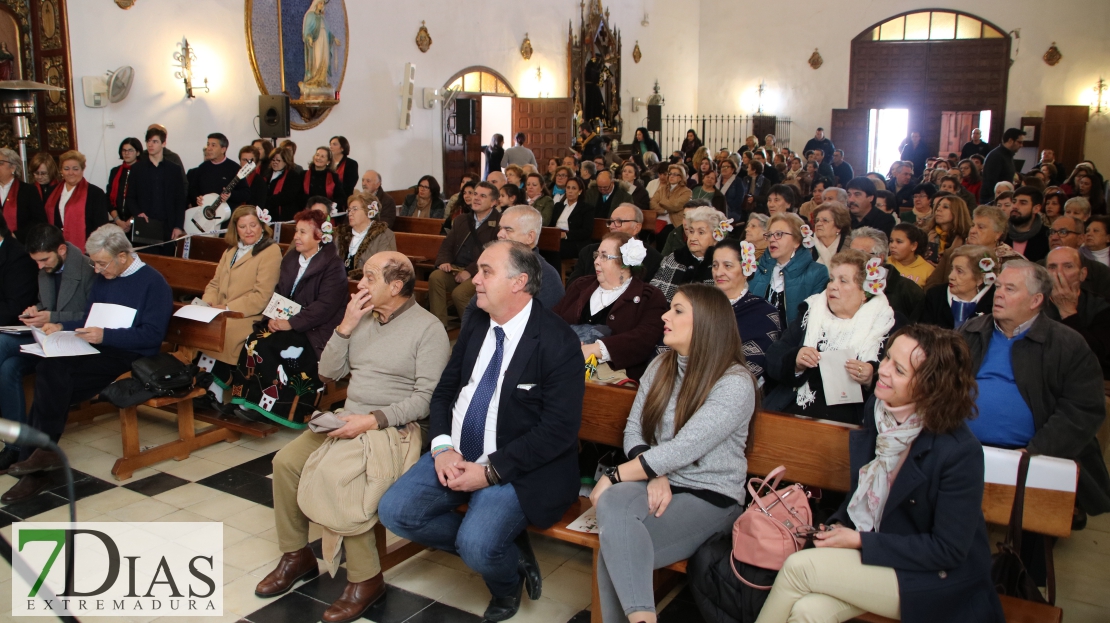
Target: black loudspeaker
x,y
273,116
655,118
466,119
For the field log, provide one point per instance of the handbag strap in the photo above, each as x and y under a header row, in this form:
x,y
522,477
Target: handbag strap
x,y
732,563
772,481
1017,513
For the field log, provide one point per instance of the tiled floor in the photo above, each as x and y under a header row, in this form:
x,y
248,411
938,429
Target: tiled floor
x,y
229,482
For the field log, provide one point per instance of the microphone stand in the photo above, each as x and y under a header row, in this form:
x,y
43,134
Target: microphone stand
x,y
71,494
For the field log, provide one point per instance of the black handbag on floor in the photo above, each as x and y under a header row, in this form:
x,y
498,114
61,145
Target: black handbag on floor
x,y
1008,572
163,374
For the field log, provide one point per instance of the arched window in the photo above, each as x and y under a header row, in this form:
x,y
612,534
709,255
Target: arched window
x,y
479,81
931,26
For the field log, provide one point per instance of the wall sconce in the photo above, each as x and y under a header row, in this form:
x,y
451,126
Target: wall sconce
x,y
186,57
1099,105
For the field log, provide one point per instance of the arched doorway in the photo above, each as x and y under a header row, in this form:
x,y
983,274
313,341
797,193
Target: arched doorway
x,y
482,88
946,68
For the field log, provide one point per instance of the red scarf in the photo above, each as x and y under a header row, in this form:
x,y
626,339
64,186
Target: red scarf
x,y
250,178
114,186
11,210
276,189
329,182
341,168
73,226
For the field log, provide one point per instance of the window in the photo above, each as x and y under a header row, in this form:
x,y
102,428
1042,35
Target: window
x,y
931,26
480,82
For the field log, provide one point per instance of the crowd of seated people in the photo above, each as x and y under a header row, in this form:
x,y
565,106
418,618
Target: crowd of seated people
x,y
945,308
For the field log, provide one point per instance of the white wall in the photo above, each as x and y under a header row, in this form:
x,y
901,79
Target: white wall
x,y
742,42
485,33
708,55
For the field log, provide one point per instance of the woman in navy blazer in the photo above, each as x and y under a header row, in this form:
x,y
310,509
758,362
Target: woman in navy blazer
x,y
910,541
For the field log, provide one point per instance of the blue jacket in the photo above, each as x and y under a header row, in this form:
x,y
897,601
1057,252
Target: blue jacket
x,y
804,278
932,533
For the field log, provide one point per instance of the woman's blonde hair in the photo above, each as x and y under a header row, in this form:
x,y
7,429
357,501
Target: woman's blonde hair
x,y
74,155
961,217
791,220
232,235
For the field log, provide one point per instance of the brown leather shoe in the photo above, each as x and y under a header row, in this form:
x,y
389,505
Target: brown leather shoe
x,y
27,486
293,566
40,461
355,600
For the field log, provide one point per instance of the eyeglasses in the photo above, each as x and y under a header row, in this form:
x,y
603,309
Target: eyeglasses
x,y
618,222
674,174
605,256
425,187
44,174
776,235
1063,232
827,221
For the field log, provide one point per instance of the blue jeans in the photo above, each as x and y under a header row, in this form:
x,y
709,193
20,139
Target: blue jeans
x,y
14,365
420,509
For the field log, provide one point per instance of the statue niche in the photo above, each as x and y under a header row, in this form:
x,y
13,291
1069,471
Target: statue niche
x,y
594,61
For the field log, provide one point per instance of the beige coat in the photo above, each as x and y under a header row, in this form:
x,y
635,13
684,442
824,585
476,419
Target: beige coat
x,y
245,288
670,201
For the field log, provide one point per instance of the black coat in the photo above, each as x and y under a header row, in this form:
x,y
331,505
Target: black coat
x,y
581,223
349,178
539,410
96,211
283,203
936,310
1036,248
932,532
19,288
158,192
1061,381
29,207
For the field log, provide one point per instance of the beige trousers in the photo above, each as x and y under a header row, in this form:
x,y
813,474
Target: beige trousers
x,y
830,585
292,524
440,286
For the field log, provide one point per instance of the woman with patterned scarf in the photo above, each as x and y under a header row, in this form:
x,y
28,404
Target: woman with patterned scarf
x,y
909,542
363,235
851,314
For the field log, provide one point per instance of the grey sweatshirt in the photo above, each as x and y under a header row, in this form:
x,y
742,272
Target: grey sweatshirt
x,y
708,453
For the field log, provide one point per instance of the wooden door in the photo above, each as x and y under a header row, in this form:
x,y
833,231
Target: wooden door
x,y
1064,131
849,132
461,154
955,130
546,123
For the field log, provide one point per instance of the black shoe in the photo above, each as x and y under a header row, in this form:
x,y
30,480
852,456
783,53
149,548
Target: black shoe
x,y
250,415
529,566
1078,518
8,456
504,608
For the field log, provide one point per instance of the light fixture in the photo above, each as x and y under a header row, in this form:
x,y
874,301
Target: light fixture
x,y
656,98
186,57
17,98
1098,104
762,88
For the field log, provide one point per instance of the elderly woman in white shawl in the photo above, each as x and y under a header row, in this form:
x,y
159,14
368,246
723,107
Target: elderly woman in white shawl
x,y
826,361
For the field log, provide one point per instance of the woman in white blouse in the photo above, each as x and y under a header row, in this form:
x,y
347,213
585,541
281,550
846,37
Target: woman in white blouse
x,y
574,217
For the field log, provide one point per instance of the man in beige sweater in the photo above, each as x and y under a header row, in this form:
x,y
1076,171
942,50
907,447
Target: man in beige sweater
x,y
394,351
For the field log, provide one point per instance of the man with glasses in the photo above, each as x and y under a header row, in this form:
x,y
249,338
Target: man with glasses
x,y
605,195
457,260
22,204
61,381
628,218
1068,232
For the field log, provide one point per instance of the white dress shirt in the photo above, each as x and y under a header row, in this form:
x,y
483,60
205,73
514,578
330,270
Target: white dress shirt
x,y
5,189
514,330
563,222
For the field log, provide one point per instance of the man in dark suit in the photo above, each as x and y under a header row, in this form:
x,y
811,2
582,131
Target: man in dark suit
x,y
627,218
504,425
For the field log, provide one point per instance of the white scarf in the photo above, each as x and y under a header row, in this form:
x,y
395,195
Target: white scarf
x,y
602,297
825,254
863,333
868,502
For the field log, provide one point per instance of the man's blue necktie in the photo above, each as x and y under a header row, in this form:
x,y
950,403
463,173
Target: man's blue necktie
x,y
472,440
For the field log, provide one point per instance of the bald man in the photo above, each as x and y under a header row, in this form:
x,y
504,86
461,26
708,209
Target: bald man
x,y
1075,307
394,351
497,178
1067,231
372,183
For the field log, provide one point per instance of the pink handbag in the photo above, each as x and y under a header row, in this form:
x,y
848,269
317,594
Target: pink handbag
x,y
773,526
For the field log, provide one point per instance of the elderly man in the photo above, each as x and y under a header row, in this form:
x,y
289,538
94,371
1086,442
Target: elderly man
x,y
457,261
497,178
523,224
838,195
903,295
1040,386
61,381
394,351
504,425
627,218
1067,231
605,195
902,185
1071,304
372,183
65,279
861,198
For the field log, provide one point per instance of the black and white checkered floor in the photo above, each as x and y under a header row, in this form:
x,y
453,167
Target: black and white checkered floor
x,y
230,482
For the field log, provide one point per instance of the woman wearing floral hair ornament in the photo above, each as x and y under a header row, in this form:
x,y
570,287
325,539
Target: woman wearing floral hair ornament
x,y
618,317
969,291
733,262
363,235
256,261
851,314
692,262
787,273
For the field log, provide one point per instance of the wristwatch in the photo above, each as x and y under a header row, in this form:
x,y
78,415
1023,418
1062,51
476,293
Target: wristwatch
x,y
612,474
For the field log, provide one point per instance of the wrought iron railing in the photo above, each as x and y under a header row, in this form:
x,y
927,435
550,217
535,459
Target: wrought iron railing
x,y
717,131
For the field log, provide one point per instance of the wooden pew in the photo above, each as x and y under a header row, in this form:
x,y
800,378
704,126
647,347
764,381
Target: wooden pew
x,y
420,248
550,239
398,196
184,276
411,225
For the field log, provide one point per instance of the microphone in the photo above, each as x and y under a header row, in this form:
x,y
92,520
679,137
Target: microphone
x,y
23,435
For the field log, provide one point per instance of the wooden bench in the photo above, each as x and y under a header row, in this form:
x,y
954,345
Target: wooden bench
x,y
422,249
412,225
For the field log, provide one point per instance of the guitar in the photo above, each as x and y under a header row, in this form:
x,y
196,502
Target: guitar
x,y
212,211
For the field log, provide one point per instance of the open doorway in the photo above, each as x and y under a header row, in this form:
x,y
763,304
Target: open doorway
x,y
497,118
462,153
956,128
886,129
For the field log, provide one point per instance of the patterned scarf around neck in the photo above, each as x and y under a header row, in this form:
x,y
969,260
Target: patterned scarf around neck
x,y
868,502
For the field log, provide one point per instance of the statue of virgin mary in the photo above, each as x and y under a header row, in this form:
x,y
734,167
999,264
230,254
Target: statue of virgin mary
x,y
319,49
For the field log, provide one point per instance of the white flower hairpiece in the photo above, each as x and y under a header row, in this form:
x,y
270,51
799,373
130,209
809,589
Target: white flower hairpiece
x,y
987,266
373,210
633,252
326,228
747,258
263,215
875,281
807,237
722,229
989,279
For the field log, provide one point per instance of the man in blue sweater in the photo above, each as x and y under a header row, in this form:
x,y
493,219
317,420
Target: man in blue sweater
x,y
61,381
